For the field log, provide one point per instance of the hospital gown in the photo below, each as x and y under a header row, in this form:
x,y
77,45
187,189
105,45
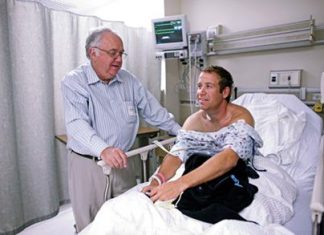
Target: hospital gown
x,y
239,136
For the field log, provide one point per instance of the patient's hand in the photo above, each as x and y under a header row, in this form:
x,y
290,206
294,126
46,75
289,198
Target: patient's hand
x,y
167,191
147,189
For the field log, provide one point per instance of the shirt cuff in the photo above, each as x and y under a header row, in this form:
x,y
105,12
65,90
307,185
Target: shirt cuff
x,y
97,146
175,130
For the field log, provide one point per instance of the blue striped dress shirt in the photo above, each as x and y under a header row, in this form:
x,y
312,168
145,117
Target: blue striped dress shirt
x,y
99,114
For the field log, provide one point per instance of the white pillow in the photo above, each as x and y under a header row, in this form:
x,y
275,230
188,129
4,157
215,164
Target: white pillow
x,y
273,203
279,127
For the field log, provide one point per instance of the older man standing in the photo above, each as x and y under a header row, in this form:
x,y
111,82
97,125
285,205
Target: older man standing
x,y
103,104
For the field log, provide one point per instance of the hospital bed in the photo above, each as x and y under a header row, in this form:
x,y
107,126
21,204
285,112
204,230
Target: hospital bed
x,y
290,199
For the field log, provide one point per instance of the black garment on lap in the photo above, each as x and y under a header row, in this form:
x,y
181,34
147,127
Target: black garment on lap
x,y
220,198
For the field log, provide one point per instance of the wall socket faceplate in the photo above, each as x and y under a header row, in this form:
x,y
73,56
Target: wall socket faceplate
x,y
285,78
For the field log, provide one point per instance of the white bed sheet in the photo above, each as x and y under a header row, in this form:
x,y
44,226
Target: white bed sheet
x,y
145,218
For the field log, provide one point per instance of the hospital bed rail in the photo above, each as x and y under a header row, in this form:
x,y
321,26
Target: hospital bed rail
x,y
317,202
143,152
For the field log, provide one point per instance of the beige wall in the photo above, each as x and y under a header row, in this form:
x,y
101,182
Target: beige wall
x,y
237,15
250,70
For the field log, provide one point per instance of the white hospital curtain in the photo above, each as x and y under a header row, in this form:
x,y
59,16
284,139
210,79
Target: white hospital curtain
x,y
38,47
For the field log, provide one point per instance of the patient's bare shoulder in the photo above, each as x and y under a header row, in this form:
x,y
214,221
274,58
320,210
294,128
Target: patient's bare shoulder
x,y
193,122
239,112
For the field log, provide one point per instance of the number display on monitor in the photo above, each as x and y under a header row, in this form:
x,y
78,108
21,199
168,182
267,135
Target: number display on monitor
x,y
170,32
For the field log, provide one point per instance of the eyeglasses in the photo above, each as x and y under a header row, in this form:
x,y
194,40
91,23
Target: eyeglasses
x,y
113,53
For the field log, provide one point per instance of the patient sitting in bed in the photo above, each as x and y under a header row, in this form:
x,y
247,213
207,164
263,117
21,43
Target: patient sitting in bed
x,y
216,144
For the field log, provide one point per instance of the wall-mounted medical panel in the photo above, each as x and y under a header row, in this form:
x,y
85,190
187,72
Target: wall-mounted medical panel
x,y
285,78
274,37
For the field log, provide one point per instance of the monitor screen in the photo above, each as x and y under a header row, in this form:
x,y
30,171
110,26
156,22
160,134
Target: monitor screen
x,y
170,32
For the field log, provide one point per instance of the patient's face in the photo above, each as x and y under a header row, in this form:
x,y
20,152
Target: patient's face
x,y
208,91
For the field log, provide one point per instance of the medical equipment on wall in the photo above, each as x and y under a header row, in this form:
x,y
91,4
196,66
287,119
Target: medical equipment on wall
x,y
285,78
197,57
172,41
295,34
170,32
193,58
170,36
196,60
213,31
178,54
192,65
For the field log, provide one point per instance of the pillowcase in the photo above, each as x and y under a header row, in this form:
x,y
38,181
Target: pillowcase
x,y
280,128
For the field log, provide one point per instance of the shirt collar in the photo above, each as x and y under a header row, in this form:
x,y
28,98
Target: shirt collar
x,y
93,78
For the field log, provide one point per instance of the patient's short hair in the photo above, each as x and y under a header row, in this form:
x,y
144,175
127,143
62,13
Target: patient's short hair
x,y
226,79
94,37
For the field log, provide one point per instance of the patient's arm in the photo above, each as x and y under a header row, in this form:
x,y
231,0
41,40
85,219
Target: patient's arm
x,y
169,166
168,169
212,168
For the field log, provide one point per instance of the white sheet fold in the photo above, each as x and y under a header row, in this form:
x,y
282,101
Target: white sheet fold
x,y
133,213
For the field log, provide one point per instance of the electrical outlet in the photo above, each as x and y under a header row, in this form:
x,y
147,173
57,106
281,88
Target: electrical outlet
x,y
285,79
316,97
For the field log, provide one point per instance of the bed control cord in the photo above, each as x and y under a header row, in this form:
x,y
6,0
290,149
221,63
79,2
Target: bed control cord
x,y
157,143
107,187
